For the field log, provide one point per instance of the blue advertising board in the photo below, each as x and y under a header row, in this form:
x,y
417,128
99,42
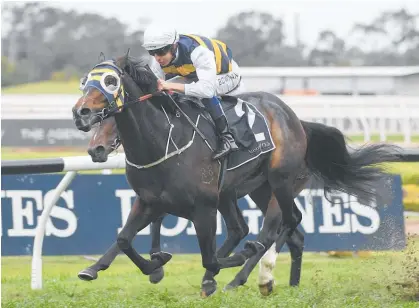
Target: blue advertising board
x,y
91,212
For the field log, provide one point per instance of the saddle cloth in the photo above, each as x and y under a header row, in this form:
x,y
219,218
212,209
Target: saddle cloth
x,y
247,124
250,130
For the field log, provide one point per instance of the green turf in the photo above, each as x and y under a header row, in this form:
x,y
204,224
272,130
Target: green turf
x,y
376,138
16,154
11,154
45,87
383,280
386,280
409,171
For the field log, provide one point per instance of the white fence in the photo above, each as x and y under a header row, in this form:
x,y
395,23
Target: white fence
x,y
354,115
71,165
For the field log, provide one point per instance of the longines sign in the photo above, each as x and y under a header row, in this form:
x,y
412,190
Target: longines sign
x,y
89,215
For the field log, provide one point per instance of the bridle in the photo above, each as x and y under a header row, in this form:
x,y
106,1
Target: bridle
x,y
113,106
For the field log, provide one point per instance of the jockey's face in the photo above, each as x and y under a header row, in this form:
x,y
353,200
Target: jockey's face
x,y
164,55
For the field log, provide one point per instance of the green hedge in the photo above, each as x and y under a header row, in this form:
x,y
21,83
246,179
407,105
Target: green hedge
x,y
411,206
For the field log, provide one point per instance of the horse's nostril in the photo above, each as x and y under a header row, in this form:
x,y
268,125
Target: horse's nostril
x,y
85,111
100,150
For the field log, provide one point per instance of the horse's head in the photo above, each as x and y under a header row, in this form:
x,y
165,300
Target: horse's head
x,y
109,86
104,141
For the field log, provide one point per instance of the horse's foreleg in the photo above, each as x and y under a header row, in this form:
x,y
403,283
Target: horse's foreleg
x,y
205,223
142,217
157,275
102,264
106,260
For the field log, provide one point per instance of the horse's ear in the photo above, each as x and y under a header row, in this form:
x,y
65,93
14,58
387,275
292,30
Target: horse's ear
x,y
147,67
127,55
101,57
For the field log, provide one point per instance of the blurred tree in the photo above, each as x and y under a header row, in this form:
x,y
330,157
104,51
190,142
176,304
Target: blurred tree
x,y
390,39
40,40
257,39
328,50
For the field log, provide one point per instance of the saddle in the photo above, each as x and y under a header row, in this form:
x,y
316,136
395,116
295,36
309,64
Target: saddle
x,y
247,124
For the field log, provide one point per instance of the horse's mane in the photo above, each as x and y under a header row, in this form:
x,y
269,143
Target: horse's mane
x,y
137,68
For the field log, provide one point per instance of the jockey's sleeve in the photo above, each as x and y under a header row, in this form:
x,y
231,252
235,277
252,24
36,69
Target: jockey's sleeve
x,y
204,62
156,68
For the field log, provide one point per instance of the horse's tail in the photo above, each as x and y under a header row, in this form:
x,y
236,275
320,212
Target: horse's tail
x,y
330,161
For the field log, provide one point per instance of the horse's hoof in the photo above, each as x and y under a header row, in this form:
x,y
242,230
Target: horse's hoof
x,y
157,275
208,288
266,289
88,274
254,246
234,284
162,257
236,260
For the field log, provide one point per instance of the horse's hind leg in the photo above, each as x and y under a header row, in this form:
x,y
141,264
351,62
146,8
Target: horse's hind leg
x,y
272,224
296,246
142,217
106,260
157,275
295,243
267,237
237,228
266,279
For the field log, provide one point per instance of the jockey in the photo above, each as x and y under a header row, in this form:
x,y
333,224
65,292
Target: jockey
x,y
207,65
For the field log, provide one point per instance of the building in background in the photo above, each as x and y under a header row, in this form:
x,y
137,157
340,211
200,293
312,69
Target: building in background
x,y
361,80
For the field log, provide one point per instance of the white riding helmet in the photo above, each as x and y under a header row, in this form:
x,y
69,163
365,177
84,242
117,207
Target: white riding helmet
x,y
158,36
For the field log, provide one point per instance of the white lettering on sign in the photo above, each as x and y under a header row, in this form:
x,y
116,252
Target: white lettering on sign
x,y
27,206
369,212
339,216
62,213
56,134
307,211
35,134
344,214
127,197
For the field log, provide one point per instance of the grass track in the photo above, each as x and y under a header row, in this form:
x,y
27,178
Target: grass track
x,y
382,280
408,169
45,87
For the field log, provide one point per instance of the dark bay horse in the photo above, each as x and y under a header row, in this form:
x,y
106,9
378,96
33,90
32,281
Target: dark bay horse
x,y
174,183
105,140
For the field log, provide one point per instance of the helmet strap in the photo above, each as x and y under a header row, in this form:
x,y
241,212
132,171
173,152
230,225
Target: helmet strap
x,y
173,50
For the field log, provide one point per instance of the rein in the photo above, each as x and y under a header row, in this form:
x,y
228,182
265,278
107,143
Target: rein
x,y
111,111
115,108
107,112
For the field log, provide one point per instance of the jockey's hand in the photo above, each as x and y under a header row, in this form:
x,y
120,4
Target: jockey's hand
x,y
163,85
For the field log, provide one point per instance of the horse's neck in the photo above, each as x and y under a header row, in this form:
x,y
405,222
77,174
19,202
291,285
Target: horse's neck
x,y
143,131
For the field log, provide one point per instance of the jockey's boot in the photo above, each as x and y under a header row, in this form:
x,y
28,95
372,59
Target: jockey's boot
x,y
226,142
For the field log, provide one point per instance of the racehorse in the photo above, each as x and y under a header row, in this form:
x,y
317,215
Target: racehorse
x,y
104,141
178,183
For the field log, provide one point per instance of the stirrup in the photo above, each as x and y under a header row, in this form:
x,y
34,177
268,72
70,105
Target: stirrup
x,y
221,152
228,138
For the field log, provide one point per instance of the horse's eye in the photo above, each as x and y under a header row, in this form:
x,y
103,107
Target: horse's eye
x,y
111,82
